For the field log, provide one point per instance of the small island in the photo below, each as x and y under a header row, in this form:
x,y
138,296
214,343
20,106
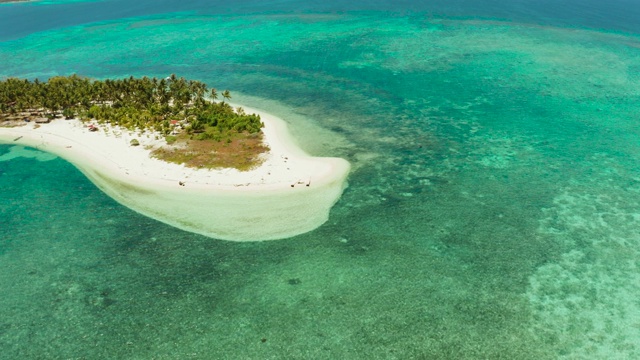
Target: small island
x,y
199,133
167,149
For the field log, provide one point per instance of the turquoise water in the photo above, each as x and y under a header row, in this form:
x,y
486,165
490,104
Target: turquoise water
x,y
493,209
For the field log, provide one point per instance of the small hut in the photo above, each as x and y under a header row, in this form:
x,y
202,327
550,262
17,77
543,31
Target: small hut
x,y
42,120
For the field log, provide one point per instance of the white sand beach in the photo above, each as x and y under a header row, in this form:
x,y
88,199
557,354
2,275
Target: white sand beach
x,y
289,194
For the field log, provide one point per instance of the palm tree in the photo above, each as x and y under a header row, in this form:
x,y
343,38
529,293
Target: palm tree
x,y
198,90
163,94
226,94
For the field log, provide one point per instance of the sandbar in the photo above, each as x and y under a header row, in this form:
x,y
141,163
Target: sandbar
x,y
289,194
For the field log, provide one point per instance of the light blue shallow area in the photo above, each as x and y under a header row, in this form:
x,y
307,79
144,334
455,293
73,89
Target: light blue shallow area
x,y
492,211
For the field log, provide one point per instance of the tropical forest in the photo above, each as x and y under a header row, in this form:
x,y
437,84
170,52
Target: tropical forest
x,y
199,130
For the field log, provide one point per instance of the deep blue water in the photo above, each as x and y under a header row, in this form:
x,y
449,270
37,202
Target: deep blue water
x,y
619,15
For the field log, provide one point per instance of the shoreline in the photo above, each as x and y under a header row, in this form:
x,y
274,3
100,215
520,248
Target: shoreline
x,y
259,204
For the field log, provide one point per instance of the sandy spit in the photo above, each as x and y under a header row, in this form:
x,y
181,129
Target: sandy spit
x,y
228,204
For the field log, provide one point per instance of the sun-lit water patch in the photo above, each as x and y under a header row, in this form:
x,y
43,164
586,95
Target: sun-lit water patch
x,y
21,151
583,303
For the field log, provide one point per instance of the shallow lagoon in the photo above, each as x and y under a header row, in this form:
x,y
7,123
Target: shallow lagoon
x,y
492,211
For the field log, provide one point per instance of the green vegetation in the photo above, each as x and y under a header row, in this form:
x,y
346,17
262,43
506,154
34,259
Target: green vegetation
x,y
171,139
144,103
174,107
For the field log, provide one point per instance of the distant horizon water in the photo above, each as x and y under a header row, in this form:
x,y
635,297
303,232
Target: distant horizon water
x,y
492,211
